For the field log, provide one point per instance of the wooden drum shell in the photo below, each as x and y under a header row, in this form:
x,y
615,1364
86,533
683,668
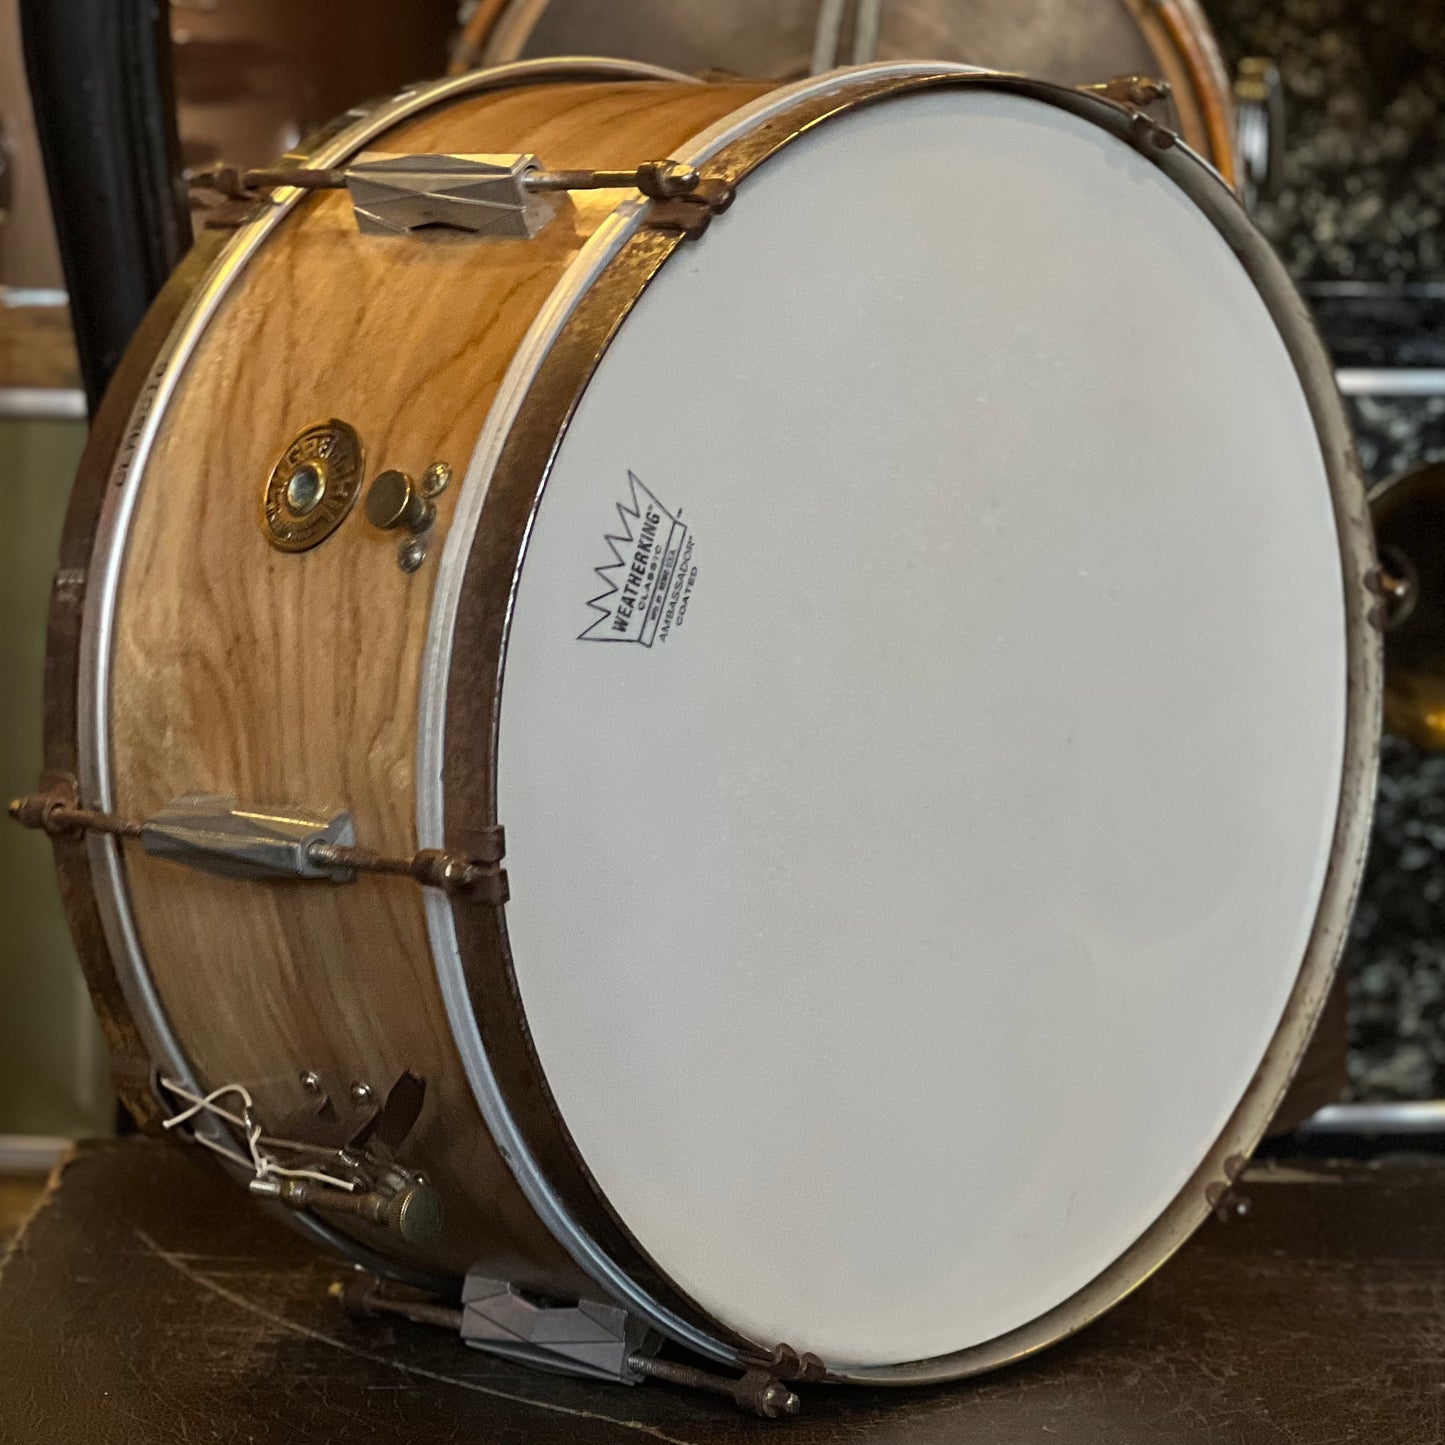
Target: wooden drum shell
x,y
238,668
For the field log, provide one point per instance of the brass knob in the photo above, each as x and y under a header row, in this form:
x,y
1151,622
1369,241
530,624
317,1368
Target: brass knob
x,y
395,503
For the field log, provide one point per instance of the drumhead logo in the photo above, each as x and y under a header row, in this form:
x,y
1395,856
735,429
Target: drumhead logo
x,y
649,580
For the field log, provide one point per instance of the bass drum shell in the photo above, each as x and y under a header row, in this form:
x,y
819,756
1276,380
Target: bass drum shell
x,y
1068,42
189,655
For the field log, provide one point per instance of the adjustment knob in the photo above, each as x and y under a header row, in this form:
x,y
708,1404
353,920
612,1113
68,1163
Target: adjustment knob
x,y
395,503
416,1213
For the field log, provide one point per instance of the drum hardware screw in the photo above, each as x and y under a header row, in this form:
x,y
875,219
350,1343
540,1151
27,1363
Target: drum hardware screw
x,y
311,1081
1147,132
436,479
432,867
237,183
1134,91
57,814
410,555
361,1295
758,1390
657,180
362,1095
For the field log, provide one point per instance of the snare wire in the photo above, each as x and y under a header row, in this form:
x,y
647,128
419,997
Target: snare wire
x,y
260,1162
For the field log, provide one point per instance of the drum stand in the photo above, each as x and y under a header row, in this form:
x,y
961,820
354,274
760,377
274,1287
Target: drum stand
x,y
585,1338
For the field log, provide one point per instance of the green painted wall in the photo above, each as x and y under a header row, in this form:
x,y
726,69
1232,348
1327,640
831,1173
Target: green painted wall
x,y
52,1061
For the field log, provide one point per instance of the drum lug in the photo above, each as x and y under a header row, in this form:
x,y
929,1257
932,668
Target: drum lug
x,y
510,197
1135,93
215,833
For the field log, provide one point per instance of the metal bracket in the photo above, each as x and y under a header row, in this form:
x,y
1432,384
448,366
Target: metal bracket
x,y
484,194
583,1337
212,832
216,834
506,196
1133,92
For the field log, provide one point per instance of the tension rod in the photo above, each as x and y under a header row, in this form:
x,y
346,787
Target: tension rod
x,y
659,180
218,834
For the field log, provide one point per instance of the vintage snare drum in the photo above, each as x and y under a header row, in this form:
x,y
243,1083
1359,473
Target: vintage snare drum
x,y
1073,42
792,770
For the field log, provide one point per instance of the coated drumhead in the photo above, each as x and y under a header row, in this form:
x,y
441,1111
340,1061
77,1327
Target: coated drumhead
x,y
921,728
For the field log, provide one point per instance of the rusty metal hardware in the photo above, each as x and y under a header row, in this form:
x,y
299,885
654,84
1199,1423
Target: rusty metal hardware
x,y
758,1390
692,212
217,835
361,1295
1133,91
510,196
1136,93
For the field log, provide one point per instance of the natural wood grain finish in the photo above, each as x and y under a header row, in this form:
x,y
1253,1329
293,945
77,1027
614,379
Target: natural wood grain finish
x,y
294,678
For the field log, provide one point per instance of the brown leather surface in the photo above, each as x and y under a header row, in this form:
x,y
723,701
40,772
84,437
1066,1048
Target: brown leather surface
x,y
148,1303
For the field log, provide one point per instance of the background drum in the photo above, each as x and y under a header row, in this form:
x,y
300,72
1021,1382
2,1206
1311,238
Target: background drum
x,y
1073,42
743,563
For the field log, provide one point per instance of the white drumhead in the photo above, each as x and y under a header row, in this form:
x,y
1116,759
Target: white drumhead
x,y
909,872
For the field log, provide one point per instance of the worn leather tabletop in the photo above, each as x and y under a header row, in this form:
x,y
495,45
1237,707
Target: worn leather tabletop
x,y
148,1302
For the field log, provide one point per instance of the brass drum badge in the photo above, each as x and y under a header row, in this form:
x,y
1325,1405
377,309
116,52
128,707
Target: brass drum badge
x,y
313,486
